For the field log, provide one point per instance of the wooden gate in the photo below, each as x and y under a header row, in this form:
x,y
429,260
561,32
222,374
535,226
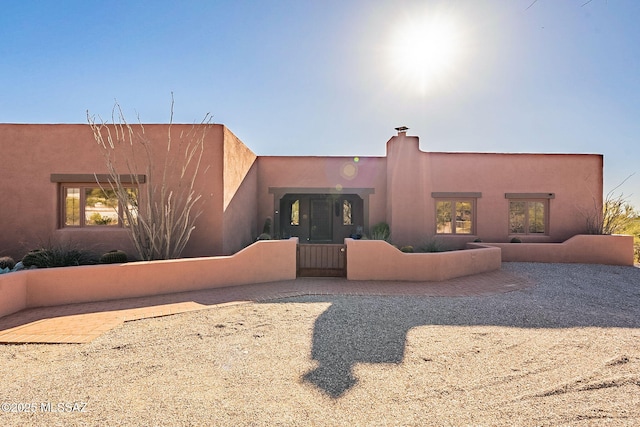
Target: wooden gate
x,y
322,260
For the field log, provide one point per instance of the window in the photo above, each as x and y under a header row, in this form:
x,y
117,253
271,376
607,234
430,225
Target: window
x,y
295,212
455,216
529,212
347,218
89,205
527,216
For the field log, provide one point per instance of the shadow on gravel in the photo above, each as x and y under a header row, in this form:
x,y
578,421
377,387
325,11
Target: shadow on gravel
x,y
369,329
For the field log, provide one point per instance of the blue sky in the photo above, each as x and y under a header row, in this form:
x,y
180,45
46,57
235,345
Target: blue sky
x,y
333,78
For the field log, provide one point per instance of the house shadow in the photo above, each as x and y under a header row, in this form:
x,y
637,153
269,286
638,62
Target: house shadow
x,y
369,329
351,331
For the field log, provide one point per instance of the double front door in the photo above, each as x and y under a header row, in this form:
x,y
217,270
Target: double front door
x,y
320,218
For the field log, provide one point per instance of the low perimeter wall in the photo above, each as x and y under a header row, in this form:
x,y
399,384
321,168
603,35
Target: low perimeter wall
x,y
378,260
581,249
263,261
274,260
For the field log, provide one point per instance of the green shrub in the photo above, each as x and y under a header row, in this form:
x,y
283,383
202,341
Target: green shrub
x,y
58,257
114,257
381,231
431,246
407,249
7,262
516,240
98,219
35,258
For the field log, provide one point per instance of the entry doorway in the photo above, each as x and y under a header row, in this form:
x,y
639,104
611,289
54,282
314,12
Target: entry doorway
x,y
321,218
322,260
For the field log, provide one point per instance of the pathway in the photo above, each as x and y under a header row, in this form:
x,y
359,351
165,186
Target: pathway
x,y
82,323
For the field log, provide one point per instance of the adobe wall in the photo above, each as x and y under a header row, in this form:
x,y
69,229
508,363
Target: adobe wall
x,y
575,179
238,188
13,292
413,175
378,260
408,192
582,249
240,194
262,262
30,214
333,174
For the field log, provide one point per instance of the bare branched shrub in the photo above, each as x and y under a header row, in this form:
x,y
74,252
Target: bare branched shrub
x,y
615,217
161,218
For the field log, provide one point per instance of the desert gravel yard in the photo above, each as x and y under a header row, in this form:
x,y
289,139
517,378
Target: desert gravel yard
x,y
565,351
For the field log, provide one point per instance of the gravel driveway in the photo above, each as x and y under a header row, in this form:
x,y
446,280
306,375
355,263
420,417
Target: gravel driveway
x,y
563,352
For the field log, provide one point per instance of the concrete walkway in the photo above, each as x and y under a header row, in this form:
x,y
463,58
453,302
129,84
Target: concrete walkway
x,y
82,323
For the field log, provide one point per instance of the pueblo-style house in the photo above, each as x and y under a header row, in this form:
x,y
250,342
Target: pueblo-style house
x,y
49,174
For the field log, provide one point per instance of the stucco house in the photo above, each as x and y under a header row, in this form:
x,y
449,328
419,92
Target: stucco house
x,y
49,179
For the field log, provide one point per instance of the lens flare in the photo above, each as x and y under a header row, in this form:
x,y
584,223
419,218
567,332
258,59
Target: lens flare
x,y
424,50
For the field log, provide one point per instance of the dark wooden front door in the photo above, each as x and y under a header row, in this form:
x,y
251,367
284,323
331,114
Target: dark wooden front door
x,y
321,221
322,260
320,218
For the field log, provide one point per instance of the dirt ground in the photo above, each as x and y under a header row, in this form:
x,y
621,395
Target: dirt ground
x,y
239,366
329,361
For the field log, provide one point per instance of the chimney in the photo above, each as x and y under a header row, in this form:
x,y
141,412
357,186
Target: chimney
x,y
402,130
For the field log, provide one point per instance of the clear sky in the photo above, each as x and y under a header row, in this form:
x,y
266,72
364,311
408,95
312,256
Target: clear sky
x,y
327,77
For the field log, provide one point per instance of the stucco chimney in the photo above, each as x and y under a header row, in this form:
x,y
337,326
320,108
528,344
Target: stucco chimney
x,y
402,130
407,184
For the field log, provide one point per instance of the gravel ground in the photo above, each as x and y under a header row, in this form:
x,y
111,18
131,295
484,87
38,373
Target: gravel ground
x,y
563,352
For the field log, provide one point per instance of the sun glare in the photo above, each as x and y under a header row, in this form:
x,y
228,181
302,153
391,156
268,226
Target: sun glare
x,y
424,52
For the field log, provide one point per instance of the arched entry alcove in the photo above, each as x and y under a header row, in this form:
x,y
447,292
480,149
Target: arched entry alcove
x,y
320,215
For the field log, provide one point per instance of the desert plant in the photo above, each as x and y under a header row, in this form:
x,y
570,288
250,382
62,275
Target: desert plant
x,y
614,216
35,258
431,246
633,229
114,257
617,216
160,222
380,231
516,240
407,249
7,262
58,256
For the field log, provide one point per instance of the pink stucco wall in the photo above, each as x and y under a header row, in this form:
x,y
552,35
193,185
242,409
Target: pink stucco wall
x,y
264,261
13,292
240,190
30,217
413,175
378,260
583,249
333,175
240,204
